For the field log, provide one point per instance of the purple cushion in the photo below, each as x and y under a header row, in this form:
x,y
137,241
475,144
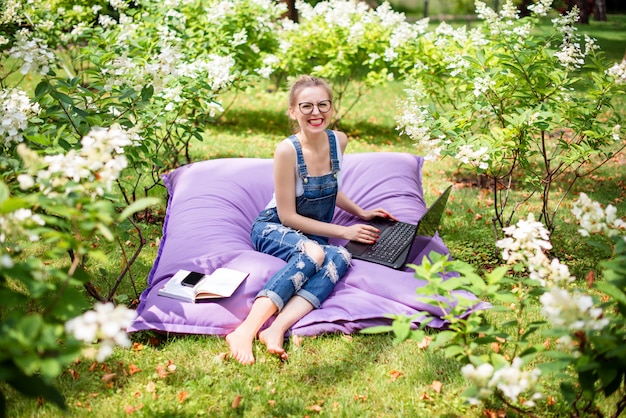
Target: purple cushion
x,y
209,214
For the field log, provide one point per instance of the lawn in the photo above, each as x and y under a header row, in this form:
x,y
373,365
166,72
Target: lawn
x,y
330,375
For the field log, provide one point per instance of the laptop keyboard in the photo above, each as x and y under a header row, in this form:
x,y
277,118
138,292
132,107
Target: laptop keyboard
x,y
387,247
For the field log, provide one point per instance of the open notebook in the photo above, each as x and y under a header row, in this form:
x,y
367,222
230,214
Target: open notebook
x,y
396,238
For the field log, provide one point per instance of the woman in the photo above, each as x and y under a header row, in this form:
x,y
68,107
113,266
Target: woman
x,y
295,225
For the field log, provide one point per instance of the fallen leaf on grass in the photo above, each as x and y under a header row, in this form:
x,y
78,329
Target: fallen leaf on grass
x,y
73,373
108,377
171,367
360,397
132,369
236,402
395,374
492,413
182,395
221,357
137,346
436,386
590,279
150,387
271,403
161,372
426,397
316,408
425,342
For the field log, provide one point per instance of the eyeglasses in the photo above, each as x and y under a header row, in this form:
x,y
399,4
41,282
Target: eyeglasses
x,y
307,108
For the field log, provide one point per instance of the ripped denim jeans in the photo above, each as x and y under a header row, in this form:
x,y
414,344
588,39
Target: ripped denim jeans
x,y
301,275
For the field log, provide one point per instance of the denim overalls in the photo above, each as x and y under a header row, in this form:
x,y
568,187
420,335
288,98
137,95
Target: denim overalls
x,y
301,275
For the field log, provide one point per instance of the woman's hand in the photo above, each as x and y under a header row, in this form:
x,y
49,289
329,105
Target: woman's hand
x,y
379,212
365,234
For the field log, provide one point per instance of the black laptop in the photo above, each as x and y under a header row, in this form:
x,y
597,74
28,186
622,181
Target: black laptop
x,y
396,238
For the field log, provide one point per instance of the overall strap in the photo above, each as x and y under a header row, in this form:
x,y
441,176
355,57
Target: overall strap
x,y
334,152
300,165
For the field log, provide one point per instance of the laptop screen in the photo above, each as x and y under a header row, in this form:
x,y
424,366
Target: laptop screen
x,y
429,223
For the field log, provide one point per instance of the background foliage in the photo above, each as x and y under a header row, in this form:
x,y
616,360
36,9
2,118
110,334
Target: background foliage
x,y
100,98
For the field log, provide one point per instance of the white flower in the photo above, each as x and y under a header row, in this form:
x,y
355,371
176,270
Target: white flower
x,y
32,52
513,382
593,219
524,241
100,160
20,222
572,311
6,261
478,158
16,109
105,324
479,376
618,71
615,132
541,8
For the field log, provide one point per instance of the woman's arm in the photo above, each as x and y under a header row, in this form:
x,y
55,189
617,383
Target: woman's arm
x,y
345,203
285,191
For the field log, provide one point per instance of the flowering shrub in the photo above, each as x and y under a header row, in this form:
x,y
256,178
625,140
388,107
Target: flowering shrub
x,y
585,329
345,42
500,99
97,100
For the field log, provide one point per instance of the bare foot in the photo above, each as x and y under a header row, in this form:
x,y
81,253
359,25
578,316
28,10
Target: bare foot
x,y
240,346
273,340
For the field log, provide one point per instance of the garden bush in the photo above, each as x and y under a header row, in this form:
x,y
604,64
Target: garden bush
x,y
99,99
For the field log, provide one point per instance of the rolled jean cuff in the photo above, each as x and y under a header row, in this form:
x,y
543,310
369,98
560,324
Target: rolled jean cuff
x,y
309,297
273,296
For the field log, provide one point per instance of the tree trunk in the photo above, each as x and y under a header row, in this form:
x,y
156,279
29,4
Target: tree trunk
x,y
582,5
292,12
599,10
523,8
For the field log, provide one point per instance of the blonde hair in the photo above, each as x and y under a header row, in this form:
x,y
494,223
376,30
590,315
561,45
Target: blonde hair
x,y
300,84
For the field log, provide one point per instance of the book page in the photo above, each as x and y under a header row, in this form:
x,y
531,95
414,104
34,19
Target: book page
x,y
221,283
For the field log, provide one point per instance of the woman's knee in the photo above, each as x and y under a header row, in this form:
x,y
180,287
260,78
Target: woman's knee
x,y
339,256
315,251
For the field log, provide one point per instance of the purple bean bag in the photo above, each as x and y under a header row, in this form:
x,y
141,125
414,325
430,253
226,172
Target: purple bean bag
x,y
209,214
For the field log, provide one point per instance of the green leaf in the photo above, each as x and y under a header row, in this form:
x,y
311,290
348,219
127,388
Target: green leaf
x,y
453,351
12,204
29,327
377,329
612,291
62,97
137,206
42,88
4,193
35,386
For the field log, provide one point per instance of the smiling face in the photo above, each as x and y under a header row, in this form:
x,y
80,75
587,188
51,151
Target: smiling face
x,y
311,99
306,97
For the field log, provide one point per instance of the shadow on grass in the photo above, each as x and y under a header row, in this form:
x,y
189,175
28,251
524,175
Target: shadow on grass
x,y
254,121
272,123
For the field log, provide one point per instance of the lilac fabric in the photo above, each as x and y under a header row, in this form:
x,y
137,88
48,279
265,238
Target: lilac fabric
x,y
210,211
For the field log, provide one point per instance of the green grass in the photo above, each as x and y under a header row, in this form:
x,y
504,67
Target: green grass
x,y
360,375
332,375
